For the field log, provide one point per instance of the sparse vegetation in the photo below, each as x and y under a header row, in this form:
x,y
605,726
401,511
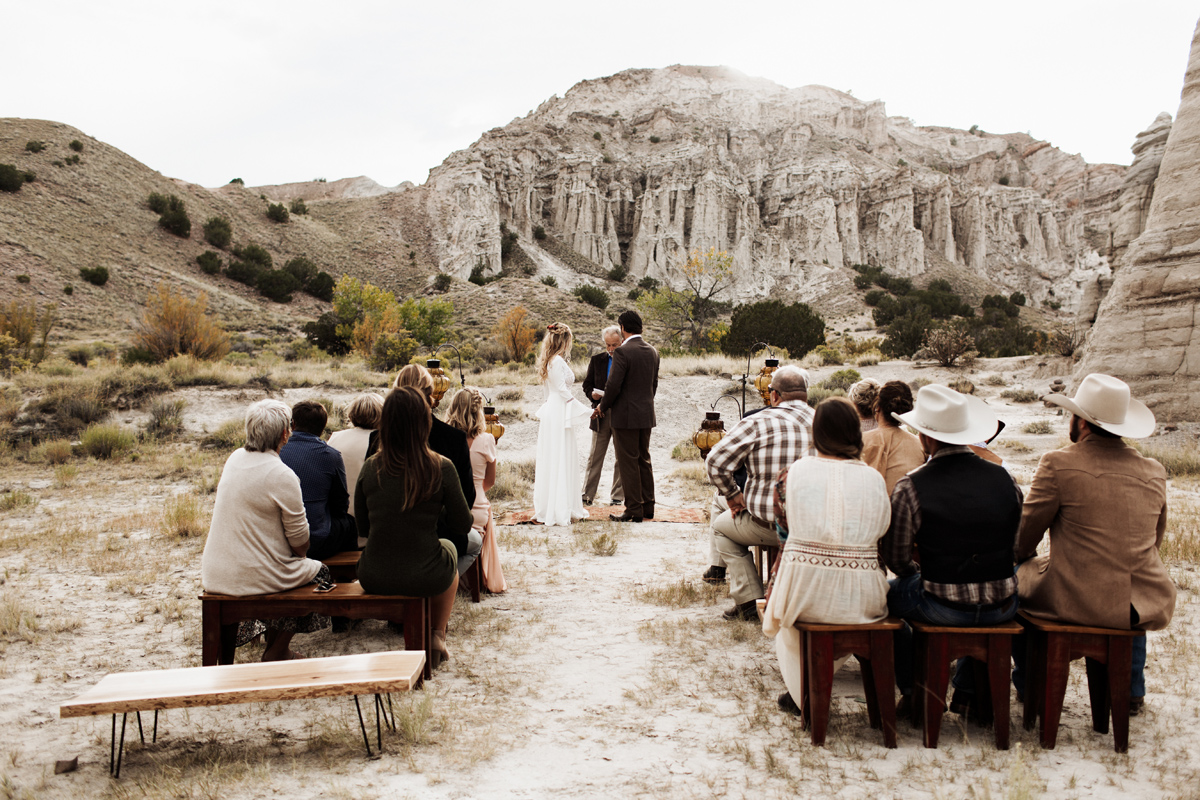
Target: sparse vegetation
x,y
1020,395
686,450
442,282
516,334
843,379
592,295
218,231
298,206
166,417
277,212
539,232
173,217
173,324
210,262
11,178
106,441
948,344
35,146
550,280
97,276
1038,427
182,517
76,145
655,139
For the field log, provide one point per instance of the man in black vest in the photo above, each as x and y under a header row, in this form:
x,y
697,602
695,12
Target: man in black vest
x,y
961,513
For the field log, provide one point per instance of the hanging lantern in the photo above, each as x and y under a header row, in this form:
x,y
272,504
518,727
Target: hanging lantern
x,y
763,381
492,422
712,430
441,384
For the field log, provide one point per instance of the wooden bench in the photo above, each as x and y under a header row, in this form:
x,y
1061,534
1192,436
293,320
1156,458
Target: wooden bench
x,y
1051,648
134,692
344,568
935,647
221,614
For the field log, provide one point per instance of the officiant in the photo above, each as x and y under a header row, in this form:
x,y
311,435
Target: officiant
x,y
593,388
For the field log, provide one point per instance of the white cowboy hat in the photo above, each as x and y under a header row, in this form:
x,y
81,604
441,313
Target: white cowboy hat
x,y
1105,402
947,416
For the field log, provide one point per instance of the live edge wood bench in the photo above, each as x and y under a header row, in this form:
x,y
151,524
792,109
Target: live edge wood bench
x,y
220,615
134,692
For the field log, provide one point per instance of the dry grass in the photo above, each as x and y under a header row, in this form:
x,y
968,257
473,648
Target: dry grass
x,y
1178,461
682,594
1020,395
686,450
1181,543
11,501
510,396
1038,427
995,380
707,364
183,517
514,481
1014,445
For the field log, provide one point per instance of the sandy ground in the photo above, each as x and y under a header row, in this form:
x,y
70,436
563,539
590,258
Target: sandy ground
x,y
592,676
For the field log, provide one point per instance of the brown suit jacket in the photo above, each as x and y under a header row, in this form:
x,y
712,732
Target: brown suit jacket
x,y
629,394
1106,507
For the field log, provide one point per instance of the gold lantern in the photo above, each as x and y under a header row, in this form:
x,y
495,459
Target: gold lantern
x,y
763,381
712,430
441,384
492,420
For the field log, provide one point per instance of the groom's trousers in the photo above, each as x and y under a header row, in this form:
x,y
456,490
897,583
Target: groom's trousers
x,y
633,460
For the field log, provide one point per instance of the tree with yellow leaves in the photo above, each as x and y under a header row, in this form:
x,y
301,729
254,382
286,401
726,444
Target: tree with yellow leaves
x,y
706,276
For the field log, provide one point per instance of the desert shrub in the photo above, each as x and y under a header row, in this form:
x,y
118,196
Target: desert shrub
x,y
182,517
243,272
176,222
166,417
648,284
302,269
277,212
298,206
962,385
34,146
210,262
229,435
68,290
173,324
56,451
321,286
842,379
818,394
277,285
105,441
81,355
618,273
550,280
1066,339
23,278
97,276
905,334
74,410
947,344
1017,298
254,254
539,232
238,181
76,145
158,202
218,232
1020,395
995,380
828,356
655,139
72,159
873,297
686,450
516,334
392,350
11,178
794,327
1038,427
1003,180
592,295
442,282
126,388
137,355
868,359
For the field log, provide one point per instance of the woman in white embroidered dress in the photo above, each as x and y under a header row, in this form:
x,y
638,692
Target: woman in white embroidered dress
x,y
828,508
557,493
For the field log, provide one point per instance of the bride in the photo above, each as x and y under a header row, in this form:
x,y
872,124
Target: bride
x,y
556,483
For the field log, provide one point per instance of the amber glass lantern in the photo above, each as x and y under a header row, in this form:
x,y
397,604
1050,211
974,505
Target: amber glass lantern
x,y
712,430
492,422
441,384
763,381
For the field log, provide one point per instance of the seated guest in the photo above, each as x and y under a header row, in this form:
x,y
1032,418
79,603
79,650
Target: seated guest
x,y
889,448
466,414
1105,506
259,533
363,412
961,512
862,395
322,480
831,511
402,492
764,443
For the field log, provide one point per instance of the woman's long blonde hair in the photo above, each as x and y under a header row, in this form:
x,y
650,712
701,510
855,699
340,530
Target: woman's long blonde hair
x,y
466,412
557,342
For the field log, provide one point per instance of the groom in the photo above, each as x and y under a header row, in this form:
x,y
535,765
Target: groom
x,y
629,396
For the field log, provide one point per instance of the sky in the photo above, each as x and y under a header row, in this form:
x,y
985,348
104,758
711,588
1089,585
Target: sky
x,y
275,92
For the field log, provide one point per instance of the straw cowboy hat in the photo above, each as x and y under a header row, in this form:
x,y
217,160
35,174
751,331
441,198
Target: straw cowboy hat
x,y
1105,402
947,416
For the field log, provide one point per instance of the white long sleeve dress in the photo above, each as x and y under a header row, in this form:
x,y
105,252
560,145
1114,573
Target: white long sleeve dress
x,y
557,489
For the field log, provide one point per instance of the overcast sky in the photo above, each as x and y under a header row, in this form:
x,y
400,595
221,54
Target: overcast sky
x,y
278,92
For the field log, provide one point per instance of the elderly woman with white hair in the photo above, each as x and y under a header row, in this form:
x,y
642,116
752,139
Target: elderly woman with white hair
x,y
259,532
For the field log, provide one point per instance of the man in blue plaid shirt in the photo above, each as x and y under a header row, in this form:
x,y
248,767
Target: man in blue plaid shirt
x,y
764,443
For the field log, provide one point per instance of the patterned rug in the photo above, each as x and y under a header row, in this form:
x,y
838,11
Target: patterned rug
x,y
600,513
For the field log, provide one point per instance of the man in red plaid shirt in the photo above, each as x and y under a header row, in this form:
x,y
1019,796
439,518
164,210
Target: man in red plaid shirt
x,y
764,443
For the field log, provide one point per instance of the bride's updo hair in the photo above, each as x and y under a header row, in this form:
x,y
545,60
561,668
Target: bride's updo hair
x,y
556,342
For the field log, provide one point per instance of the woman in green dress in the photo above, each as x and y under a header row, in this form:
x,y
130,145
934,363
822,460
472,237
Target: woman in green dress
x,y
401,492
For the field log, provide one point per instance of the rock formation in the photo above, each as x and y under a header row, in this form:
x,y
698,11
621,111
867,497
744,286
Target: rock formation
x,y
637,169
1145,332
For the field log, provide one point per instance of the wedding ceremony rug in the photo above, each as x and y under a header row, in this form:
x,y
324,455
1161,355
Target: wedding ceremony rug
x,y
600,513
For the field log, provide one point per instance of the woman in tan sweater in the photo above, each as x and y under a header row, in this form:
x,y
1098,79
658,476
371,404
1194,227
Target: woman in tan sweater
x,y
890,449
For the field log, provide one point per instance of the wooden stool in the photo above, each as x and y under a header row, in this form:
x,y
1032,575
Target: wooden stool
x,y
764,559
1051,648
935,646
872,645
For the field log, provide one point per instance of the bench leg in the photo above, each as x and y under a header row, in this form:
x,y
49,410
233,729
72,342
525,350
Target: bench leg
x,y
884,677
1035,662
1097,677
1053,686
141,733
1120,667
820,683
155,739
998,672
210,633
867,669
418,634
475,576
114,769
362,726
929,690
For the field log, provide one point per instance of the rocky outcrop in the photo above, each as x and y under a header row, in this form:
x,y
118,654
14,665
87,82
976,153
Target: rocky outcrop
x,y
1145,332
640,168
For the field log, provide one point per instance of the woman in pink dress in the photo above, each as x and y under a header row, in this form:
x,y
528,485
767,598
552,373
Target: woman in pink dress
x,y
466,414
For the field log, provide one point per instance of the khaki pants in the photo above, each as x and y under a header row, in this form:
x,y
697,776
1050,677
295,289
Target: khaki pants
x,y
595,465
732,538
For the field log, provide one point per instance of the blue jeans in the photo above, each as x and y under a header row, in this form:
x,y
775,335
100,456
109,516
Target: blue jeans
x,y
907,599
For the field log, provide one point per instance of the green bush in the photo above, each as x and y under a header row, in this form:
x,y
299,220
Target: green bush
x,y
595,136
34,146
323,333
243,272
550,280
795,327
76,145
1017,299
302,269
863,282
238,181
1004,180
68,290
22,278
80,355
477,277
321,286
158,202
175,220
218,232
97,276
655,140
138,355
873,297
28,177
11,178
593,295
72,159
105,441
618,273
842,379
830,356
648,284
277,285
277,212
442,282
818,394
392,351
210,262
539,232
298,206
906,334
254,254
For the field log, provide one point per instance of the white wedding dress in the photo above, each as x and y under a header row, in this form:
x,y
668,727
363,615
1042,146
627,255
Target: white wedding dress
x,y
557,489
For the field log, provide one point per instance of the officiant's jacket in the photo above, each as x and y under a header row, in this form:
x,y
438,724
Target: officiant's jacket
x,y
632,383
597,377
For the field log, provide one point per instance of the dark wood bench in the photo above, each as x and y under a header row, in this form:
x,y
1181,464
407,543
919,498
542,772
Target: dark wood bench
x,y
1051,648
222,613
344,568
157,690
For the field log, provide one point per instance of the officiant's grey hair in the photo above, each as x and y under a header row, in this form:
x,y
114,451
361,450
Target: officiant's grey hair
x,y
609,332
